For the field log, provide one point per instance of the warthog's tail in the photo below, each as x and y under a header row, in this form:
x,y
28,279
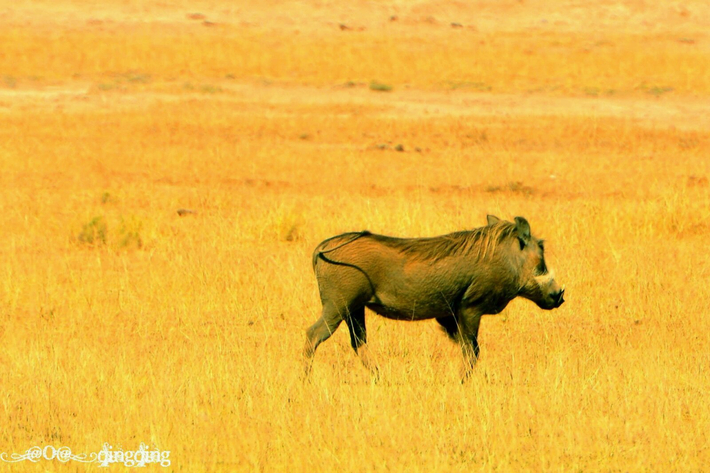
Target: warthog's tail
x,y
320,252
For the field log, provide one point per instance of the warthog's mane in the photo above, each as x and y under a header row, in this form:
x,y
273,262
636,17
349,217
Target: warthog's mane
x,y
478,243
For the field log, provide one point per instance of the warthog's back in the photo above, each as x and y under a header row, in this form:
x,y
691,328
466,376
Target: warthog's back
x,y
407,278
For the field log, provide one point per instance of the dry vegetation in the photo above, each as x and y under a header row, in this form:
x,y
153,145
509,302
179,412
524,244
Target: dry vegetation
x,y
123,322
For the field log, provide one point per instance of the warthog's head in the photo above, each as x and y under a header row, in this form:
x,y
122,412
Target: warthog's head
x,y
537,282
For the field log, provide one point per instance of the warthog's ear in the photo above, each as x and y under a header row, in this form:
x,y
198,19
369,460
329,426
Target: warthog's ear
x,y
523,228
492,219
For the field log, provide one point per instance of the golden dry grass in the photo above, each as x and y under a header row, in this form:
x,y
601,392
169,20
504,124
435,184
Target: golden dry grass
x,y
125,323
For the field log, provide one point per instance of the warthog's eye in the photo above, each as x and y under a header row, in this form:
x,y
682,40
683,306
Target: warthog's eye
x,y
542,268
541,244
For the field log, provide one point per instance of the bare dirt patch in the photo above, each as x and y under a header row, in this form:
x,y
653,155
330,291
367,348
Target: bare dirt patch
x,y
678,112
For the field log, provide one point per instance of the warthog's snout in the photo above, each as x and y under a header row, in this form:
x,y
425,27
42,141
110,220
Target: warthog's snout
x,y
559,297
549,294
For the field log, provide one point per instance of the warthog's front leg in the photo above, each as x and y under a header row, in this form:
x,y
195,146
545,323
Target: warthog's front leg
x,y
469,322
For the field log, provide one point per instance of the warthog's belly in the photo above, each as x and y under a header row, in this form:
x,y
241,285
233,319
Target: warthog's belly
x,y
414,312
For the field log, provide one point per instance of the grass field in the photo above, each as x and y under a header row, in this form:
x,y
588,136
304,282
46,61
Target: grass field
x,y
283,124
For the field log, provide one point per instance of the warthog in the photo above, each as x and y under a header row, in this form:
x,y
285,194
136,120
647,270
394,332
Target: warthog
x,y
453,278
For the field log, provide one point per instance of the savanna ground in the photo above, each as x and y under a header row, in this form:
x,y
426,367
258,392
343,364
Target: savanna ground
x,y
285,123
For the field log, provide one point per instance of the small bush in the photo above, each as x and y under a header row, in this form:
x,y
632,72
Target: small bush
x,y
380,87
211,89
129,233
107,198
658,90
138,77
94,233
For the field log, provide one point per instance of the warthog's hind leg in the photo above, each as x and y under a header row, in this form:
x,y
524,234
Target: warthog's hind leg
x,y
358,338
318,333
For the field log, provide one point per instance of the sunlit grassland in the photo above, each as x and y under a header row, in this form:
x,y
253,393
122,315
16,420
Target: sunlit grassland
x,y
190,339
603,64
123,322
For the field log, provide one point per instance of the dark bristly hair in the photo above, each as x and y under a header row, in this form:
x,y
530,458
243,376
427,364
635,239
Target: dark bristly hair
x,y
480,242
